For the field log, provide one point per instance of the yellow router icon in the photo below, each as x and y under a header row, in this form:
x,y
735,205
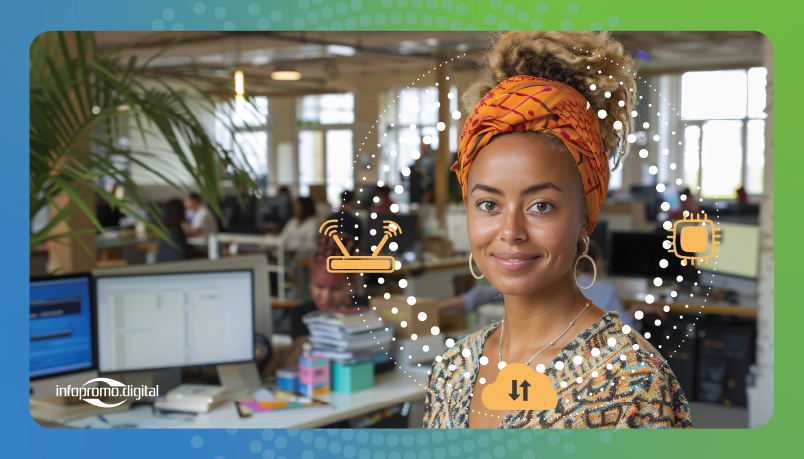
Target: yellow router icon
x,y
350,264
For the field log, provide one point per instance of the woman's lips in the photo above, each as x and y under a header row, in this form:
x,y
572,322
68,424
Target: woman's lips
x,y
513,261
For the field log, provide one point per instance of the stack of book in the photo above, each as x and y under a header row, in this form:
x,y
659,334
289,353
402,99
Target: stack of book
x,y
191,398
348,334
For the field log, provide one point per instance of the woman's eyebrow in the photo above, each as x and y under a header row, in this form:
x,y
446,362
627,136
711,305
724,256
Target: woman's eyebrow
x,y
486,188
539,187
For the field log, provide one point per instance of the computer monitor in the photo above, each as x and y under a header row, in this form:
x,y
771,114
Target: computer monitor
x,y
61,343
156,321
639,254
739,251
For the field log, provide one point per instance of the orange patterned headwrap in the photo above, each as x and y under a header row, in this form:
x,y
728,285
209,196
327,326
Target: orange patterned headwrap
x,y
525,103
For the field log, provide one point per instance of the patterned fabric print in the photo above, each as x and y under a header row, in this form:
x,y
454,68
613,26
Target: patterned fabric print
x,y
525,103
638,392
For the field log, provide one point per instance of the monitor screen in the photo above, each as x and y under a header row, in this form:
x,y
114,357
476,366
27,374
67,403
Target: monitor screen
x,y
148,322
61,326
639,254
739,251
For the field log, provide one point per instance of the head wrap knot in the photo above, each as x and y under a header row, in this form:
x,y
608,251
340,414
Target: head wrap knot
x,y
525,103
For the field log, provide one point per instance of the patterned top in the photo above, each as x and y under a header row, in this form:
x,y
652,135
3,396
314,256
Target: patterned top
x,y
634,386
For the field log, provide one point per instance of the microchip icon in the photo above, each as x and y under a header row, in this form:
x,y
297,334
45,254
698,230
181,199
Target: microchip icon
x,y
693,238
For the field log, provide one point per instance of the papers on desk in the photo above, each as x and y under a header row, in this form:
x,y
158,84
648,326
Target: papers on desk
x,y
348,334
283,402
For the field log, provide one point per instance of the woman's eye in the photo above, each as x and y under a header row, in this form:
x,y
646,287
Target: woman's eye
x,y
487,206
541,207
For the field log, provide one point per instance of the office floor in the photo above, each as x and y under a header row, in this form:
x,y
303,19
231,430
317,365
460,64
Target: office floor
x,y
716,416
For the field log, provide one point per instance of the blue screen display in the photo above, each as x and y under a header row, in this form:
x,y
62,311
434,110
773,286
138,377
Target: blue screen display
x,y
61,327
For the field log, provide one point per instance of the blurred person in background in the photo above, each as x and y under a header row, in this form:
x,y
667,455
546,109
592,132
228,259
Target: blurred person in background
x,y
689,203
383,203
200,221
174,219
300,234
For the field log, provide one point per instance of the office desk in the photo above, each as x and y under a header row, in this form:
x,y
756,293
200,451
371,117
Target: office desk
x,y
390,388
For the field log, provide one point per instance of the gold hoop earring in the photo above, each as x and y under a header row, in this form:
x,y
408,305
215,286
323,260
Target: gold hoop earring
x,y
472,271
594,268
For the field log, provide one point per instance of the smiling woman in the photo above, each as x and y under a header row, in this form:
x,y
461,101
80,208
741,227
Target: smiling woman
x,y
547,114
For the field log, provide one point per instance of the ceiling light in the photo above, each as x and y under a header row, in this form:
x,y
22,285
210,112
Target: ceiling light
x,y
238,82
286,75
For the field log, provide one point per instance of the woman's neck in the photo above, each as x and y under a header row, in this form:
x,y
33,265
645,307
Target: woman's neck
x,y
541,315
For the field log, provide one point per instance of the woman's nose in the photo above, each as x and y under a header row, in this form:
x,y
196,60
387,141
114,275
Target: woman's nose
x,y
512,227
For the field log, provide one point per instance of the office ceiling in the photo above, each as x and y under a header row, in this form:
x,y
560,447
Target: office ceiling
x,y
322,57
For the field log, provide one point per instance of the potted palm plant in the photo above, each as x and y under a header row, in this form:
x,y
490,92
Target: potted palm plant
x,y
79,100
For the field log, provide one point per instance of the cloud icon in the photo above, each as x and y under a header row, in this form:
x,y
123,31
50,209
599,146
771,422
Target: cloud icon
x,y
520,387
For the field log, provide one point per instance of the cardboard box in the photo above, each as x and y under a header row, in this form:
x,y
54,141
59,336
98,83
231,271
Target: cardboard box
x,y
397,310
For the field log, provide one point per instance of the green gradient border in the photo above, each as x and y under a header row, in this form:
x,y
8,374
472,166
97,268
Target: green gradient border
x,y
779,21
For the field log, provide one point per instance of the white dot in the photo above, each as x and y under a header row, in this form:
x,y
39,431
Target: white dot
x,y
381,280
484,360
399,189
412,127
679,181
387,296
674,294
540,368
666,245
373,232
621,104
394,209
647,335
592,87
657,322
501,365
660,187
403,324
595,352
643,153
386,168
679,278
441,126
393,246
639,315
466,375
422,316
435,331
623,357
403,283
559,365
415,154
657,281
594,374
631,138
618,125
563,384
456,115
406,171
393,152
579,380
450,95
645,125
653,170
466,353
667,225
665,206
397,264
634,113
609,366
482,380
665,151
411,300
666,308
672,166
394,310
96,110
601,114
449,342
649,299
414,337
606,94
656,137
636,347
373,248
611,342
379,183
373,215
452,367
438,358
425,348
626,329
577,360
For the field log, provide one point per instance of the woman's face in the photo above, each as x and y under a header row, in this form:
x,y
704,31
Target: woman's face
x,y
524,213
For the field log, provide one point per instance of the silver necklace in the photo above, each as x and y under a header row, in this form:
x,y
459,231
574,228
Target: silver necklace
x,y
502,331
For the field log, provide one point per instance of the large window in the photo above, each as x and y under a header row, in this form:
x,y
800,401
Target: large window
x,y
413,115
247,125
325,143
724,133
